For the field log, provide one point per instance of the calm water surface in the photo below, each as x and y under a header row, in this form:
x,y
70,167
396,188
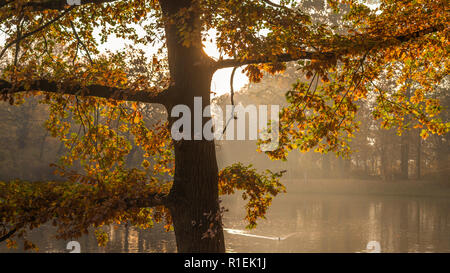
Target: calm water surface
x,y
300,223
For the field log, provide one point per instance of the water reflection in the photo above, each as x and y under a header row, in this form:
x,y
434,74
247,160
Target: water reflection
x,y
300,223
348,224
123,238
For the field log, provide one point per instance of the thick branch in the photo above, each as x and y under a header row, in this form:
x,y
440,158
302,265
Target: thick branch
x,y
152,200
420,33
61,4
100,91
305,55
8,235
280,58
148,201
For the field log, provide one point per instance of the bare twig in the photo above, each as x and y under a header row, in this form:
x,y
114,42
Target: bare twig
x,y
81,42
232,99
28,34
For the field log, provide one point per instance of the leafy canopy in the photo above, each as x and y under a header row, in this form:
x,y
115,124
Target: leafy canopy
x,y
53,51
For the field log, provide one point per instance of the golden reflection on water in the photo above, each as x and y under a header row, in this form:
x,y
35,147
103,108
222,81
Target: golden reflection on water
x,y
348,223
299,223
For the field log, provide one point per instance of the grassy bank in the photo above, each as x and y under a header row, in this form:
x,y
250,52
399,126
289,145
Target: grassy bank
x,y
369,187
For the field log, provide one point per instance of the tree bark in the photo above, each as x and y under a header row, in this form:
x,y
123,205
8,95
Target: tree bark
x,y
196,213
194,197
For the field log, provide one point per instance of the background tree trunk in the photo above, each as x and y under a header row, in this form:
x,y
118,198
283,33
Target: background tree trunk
x,y
384,158
404,155
418,157
404,146
326,166
442,155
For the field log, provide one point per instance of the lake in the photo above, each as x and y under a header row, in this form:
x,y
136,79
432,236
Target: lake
x,y
300,223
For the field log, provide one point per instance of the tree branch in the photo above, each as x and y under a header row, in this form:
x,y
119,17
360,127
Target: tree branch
x,y
61,4
270,3
305,55
32,212
419,33
264,59
28,34
152,200
81,42
8,235
164,97
232,99
4,3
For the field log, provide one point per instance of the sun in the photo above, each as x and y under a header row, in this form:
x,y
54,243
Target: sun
x,y
220,84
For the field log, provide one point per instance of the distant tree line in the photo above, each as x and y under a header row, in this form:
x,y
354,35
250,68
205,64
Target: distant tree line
x,y
379,153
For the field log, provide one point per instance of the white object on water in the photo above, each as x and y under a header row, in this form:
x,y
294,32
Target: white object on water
x,y
373,247
243,233
74,246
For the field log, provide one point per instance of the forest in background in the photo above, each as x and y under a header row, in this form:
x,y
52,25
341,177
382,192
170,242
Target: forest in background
x,y
378,152
28,149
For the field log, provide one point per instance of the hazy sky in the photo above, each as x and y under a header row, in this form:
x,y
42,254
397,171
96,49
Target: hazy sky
x,y
221,80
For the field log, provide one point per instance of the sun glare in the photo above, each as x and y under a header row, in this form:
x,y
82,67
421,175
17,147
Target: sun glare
x,y
220,84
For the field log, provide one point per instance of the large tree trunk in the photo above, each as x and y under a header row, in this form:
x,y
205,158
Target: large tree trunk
x,y
194,200
196,214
